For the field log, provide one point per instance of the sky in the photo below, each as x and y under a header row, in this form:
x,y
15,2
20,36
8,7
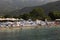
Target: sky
x,y
27,2
24,3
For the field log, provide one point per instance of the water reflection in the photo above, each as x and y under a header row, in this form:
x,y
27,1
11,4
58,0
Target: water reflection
x,y
33,34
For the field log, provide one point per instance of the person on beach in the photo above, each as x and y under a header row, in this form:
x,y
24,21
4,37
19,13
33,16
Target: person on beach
x,y
46,22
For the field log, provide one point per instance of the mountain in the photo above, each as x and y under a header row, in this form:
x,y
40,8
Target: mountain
x,y
47,8
13,7
9,5
51,6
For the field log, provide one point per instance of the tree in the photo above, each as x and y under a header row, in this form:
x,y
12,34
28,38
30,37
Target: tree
x,y
37,13
25,16
7,16
54,15
57,14
51,15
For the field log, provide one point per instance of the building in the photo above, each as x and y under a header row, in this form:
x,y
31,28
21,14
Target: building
x,y
57,21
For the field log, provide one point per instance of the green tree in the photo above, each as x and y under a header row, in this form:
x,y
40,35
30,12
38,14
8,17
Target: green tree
x,y
57,14
7,16
25,16
37,13
54,15
51,15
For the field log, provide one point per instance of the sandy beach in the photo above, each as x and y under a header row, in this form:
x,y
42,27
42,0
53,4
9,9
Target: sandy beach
x,y
10,29
2,29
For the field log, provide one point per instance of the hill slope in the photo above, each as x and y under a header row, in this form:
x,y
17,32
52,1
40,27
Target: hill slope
x,y
47,7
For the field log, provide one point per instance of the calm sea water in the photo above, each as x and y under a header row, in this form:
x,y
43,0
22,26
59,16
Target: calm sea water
x,y
32,34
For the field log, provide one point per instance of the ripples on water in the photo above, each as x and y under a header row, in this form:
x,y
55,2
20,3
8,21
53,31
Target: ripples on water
x,y
32,34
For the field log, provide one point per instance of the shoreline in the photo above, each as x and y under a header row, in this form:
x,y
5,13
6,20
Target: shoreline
x,y
12,29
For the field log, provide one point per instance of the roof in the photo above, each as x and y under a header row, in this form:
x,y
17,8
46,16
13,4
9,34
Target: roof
x,y
57,19
8,19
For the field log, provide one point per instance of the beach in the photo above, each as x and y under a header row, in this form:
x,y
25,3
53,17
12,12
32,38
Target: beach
x,y
2,29
12,29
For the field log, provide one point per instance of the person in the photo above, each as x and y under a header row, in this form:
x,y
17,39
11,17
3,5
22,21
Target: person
x,y
47,24
46,21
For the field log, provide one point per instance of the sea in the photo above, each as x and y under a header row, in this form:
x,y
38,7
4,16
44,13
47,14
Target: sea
x,y
52,33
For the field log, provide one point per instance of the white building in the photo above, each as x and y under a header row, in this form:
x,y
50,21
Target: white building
x,y
38,21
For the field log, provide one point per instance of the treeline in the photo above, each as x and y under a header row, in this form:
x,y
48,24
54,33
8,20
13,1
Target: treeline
x,y
37,13
54,15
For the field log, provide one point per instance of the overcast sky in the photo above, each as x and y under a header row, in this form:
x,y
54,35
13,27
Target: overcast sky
x,y
26,2
29,2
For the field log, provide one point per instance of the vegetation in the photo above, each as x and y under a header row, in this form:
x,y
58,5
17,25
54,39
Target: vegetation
x,y
37,13
24,16
54,15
